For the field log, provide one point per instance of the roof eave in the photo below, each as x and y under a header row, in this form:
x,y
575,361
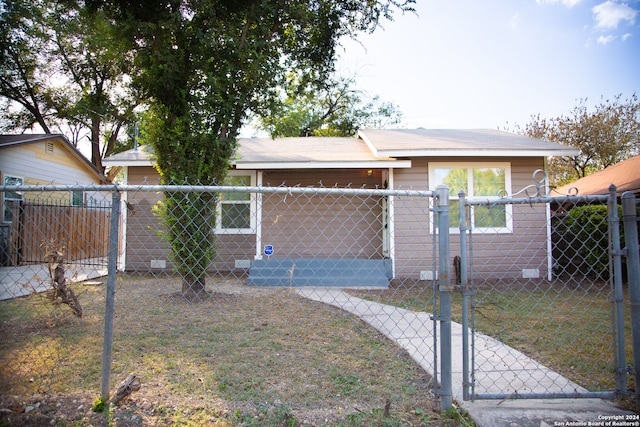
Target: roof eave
x,y
477,153
376,164
114,163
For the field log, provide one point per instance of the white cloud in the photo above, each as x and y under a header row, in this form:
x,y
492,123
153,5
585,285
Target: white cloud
x,y
610,13
568,3
626,36
603,40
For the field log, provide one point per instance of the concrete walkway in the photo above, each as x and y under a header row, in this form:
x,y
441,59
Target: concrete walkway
x,y
414,332
23,280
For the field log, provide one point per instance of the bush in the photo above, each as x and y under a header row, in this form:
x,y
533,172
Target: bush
x,y
581,242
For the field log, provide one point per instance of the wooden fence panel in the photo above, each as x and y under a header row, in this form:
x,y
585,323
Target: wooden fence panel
x,y
82,231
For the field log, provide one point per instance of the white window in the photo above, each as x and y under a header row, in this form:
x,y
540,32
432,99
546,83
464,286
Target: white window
x,y
11,199
236,211
484,181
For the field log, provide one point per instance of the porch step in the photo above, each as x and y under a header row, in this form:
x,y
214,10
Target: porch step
x,y
297,272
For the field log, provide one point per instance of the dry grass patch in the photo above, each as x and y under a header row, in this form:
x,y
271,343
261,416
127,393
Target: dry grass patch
x,y
237,356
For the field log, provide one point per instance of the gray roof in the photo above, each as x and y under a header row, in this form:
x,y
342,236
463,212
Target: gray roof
x,y
371,149
301,153
284,153
140,156
458,142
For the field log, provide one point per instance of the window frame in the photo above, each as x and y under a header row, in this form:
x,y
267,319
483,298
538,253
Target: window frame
x,y
252,203
453,193
5,198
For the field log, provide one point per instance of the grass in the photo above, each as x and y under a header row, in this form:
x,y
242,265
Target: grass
x,y
567,328
238,357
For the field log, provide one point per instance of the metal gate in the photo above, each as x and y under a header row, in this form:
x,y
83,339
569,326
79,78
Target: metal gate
x,y
548,319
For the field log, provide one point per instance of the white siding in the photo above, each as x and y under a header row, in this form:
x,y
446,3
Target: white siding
x,y
57,168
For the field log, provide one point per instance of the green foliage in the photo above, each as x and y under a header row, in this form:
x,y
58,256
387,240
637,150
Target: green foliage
x,y
63,67
200,67
204,66
605,136
277,416
22,67
332,108
458,415
100,405
586,229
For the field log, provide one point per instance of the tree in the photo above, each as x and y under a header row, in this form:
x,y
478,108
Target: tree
x,y
605,136
330,108
23,71
63,67
94,66
204,65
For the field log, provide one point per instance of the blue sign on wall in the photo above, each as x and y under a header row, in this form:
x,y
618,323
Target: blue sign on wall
x,y
268,250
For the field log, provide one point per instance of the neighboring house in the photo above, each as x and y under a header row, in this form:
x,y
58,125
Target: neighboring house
x,y
48,159
625,175
35,160
418,159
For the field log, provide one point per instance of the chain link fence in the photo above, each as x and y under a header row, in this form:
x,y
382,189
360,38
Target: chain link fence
x,y
53,254
337,271
547,318
288,265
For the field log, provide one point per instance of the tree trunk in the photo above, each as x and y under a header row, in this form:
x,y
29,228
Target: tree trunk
x,y
192,286
96,158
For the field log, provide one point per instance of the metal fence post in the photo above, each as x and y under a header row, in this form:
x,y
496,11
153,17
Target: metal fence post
x,y
618,298
444,279
466,383
630,219
111,290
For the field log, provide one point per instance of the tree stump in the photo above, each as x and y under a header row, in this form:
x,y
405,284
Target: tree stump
x,y
55,257
126,387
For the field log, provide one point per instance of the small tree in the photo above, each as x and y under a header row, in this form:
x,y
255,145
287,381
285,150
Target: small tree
x,y
604,136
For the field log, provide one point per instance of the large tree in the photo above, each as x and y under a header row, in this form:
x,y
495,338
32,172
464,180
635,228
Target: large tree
x,y
329,108
64,69
205,64
605,135
24,72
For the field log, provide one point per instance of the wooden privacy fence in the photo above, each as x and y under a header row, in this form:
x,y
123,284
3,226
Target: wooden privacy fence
x,y
82,231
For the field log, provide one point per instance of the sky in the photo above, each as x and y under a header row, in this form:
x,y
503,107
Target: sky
x,y
493,64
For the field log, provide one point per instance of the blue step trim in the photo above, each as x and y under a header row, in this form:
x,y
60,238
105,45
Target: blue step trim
x,y
345,273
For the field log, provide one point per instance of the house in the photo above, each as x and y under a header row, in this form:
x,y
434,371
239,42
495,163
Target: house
x,y
419,159
625,175
35,160
48,159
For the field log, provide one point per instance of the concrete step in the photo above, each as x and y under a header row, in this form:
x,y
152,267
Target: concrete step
x,y
297,272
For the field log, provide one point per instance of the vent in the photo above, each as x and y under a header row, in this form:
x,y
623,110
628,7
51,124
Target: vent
x,y
48,147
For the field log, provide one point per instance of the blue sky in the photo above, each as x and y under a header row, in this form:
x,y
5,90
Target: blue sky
x,y
495,63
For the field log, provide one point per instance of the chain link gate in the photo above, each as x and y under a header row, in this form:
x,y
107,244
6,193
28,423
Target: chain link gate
x,y
548,319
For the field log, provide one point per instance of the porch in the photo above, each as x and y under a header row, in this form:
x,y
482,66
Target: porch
x,y
327,272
